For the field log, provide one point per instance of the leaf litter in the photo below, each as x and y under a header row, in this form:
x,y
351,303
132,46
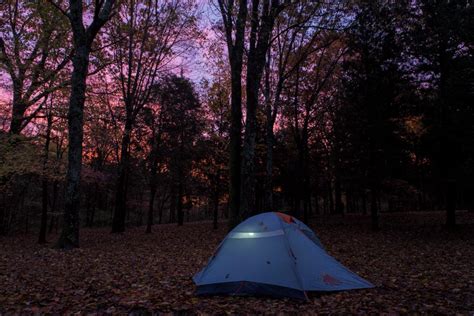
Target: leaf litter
x,y
416,265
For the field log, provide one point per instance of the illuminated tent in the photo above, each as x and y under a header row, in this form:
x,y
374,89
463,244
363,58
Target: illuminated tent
x,y
274,254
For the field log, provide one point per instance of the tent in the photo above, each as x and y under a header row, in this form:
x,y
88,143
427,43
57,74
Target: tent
x,y
274,254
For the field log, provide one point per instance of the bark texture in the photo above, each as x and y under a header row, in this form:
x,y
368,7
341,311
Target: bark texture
x,y
261,27
44,193
82,40
235,34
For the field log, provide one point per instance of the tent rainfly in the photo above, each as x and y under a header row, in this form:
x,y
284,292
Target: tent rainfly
x,y
274,254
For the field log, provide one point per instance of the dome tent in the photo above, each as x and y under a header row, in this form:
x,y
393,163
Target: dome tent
x,y
277,255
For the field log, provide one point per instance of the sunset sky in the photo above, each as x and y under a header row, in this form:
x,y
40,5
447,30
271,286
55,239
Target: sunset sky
x,y
193,64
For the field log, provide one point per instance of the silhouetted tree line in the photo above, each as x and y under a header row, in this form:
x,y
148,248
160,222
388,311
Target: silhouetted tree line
x,y
313,108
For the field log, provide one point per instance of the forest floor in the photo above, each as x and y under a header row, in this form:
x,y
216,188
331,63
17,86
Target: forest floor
x,y
416,265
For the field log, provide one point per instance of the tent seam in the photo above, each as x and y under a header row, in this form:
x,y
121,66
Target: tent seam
x,y
295,270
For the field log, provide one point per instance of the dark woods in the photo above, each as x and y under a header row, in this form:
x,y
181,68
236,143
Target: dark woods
x,y
309,107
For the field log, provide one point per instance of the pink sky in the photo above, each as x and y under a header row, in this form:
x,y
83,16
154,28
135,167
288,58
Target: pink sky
x,y
5,96
194,64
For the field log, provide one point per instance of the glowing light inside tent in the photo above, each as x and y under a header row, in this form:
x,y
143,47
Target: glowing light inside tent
x,y
243,235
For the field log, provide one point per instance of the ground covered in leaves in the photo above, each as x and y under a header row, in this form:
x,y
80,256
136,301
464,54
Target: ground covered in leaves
x,y
417,266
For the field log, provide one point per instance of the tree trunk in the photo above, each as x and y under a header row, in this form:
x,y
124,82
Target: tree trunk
x,y
92,215
27,219
374,171
18,114
259,42
160,211
294,204
179,206
216,200
235,50
153,174
118,222
364,202
451,204
235,146
268,186
247,198
173,202
18,106
339,207
374,214
215,212
89,202
70,233
305,168
83,39
44,212
150,209
44,186
305,210
330,198
2,220
54,207
271,111
316,199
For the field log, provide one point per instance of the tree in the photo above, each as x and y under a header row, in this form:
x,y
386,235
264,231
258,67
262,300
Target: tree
x,y
148,35
49,116
83,39
234,31
373,86
34,53
181,126
309,98
297,36
261,27
21,162
441,33
214,146
153,117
